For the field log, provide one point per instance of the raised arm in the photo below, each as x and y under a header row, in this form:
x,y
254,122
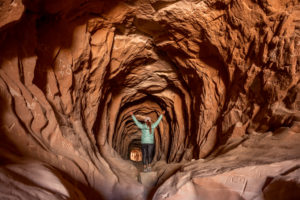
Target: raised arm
x,y
155,124
139,124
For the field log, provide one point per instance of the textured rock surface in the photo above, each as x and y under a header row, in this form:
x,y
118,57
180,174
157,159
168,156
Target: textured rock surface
x,y
244,183
35,181
148,179
244,168
72,71
10,11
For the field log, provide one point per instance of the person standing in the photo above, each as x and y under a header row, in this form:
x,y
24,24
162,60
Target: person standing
x,y
147,139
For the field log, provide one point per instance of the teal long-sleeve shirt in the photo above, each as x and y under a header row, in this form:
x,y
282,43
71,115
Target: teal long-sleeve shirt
x,y
147,138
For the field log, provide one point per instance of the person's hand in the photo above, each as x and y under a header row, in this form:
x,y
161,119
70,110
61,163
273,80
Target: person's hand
x,y
163,112
131,113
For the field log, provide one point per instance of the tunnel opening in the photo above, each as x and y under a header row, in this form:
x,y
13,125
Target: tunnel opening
x,y
135,151
127,135
136,154
153,80
162,86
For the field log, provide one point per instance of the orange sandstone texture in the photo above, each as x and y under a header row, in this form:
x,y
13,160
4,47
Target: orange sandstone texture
x,y
225,71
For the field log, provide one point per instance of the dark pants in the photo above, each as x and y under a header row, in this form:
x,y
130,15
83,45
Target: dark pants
x,y
147,151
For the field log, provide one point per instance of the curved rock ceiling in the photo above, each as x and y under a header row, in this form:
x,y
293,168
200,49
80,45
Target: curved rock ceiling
x,y
71,71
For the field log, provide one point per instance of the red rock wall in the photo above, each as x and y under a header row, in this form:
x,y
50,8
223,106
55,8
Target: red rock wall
x,y
72,71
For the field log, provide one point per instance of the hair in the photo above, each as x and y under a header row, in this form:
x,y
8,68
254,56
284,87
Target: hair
x,y
148,122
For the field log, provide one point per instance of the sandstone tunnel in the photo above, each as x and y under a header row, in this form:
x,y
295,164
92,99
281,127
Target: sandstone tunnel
x,y
225,72
149,86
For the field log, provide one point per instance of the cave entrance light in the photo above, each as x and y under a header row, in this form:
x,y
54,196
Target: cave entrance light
x,y
135,150
136,155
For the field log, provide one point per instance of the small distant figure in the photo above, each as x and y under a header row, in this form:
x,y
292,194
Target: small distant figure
x,y
147,138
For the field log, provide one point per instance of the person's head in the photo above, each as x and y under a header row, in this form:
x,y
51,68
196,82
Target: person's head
x,y
148,122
